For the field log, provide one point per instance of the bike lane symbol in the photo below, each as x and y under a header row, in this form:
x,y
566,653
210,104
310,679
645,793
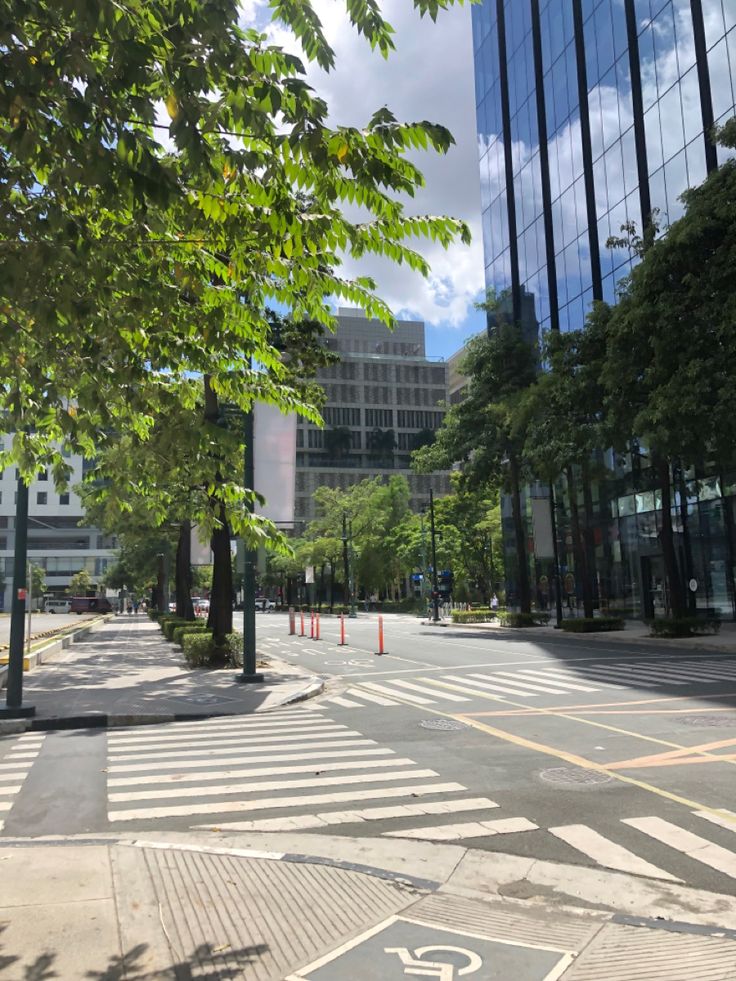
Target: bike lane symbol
x,y
443,970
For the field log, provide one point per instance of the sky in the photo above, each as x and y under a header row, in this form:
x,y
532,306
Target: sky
x,y
429,76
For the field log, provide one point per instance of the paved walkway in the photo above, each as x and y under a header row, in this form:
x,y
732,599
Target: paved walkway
x,y
125,672
178,907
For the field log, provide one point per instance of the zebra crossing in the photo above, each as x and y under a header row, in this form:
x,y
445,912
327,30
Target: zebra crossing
x,y
289,770
15,766
298,770
533,682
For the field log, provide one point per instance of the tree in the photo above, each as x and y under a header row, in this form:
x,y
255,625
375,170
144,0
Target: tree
x,y
37,580
671,346
338,442
486,432
159,246
80,583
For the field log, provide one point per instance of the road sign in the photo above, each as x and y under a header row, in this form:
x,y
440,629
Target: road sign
x,y
693,584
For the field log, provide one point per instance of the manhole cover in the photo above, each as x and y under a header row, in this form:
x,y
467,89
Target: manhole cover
x,y
712,721
572,776
204,699
441,724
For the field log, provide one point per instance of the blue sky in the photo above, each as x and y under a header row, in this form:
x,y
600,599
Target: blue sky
x,y
429,76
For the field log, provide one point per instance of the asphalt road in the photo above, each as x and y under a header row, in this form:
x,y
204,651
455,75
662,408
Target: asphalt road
x,y
598,753
40,622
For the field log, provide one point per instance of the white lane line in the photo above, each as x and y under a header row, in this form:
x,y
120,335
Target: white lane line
x,y
269,771
513,678
599,683
326,818
238,750
606,674
723,818
607,853
274,803
343,702
371,697
696,673
196,737
243,739
179,765
470,829
718,858
429,691
263,785
236,725
10,791
24,765
647,673
5,805
470,683
382,690
544,676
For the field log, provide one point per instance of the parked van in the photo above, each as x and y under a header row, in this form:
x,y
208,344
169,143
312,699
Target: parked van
x,y
90,604
57,606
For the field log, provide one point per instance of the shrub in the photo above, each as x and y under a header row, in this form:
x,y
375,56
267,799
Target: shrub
x,y
508,619
199,649
481,615
591,625
234,649
188,628
682,627
154,614
170,624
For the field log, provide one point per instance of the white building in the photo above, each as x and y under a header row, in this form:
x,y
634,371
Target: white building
x,y
56,541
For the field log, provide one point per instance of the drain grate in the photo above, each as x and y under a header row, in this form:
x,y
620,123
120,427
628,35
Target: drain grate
x,y
714,721
443,725
575,777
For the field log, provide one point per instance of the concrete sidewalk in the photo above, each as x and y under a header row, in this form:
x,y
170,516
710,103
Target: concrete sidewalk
x,y
126,673
313,908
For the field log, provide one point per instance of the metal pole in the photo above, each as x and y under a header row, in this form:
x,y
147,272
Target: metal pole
x,y
249,673
435,585
345,562
352,613
30,607
14,707
556,554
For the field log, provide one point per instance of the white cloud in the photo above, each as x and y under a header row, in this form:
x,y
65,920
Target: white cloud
x,y
429,76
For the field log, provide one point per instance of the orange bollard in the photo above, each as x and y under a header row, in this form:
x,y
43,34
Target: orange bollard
x,y
301,614
311,624
380,636
342,630
316,626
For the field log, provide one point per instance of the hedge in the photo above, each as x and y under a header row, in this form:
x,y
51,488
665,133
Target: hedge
x,y
480,615
592,625
508,619
682,627
170,624
199,649
188,628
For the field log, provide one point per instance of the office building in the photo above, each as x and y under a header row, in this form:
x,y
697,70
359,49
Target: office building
x,y
56,542
384,399
594,114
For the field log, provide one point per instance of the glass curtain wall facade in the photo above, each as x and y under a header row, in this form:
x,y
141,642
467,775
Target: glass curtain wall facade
x,y
592,114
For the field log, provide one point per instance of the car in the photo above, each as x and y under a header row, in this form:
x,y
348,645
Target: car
x,y
90,604
57,606
264,605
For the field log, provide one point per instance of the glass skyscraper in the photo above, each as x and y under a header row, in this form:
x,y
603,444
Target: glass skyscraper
x,y
593,114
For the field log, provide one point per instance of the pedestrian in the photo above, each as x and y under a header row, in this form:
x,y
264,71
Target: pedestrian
x,y
136,604
130,609
494,602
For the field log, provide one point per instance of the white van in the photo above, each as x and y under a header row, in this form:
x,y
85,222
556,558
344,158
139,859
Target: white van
x,y
57,606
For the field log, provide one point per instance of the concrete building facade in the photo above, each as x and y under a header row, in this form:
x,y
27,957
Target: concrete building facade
x,y
56,541
384,399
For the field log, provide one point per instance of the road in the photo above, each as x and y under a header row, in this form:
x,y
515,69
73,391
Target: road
x,y
597,753
40,622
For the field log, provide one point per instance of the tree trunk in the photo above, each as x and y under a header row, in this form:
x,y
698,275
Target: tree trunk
x,y
728,526
183,572
332,584
678,604
525,600
581,560
220,619
321,587
687,567
588,538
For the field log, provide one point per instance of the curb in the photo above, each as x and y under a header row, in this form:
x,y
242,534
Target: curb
x,y
110,721
61,642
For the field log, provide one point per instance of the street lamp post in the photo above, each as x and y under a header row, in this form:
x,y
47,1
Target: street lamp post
x,y
14,707
352,613
435,584
249,675
556,554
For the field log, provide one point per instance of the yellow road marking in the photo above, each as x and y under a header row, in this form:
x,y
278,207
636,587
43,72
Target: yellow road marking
x,y
672,756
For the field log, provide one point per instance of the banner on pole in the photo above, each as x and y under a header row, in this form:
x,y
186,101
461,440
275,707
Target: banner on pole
x,y
542,524
274,450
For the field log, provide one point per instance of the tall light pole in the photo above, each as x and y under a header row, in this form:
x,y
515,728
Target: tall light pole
x,y
435,584
14,707
249,675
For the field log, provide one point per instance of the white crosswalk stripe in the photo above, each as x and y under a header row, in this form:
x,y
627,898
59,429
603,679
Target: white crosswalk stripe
x,y
607,853
307,782
15,767
699,849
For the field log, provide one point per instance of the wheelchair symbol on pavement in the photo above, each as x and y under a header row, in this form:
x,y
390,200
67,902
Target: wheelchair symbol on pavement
x,y
416,966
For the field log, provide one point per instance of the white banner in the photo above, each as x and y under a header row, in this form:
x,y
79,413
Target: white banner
x,y
542,524
275,462
201,551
